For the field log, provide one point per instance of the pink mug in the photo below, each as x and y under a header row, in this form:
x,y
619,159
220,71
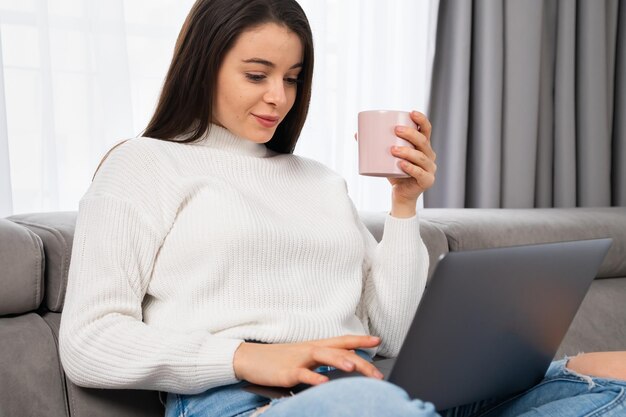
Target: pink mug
x,y
376,136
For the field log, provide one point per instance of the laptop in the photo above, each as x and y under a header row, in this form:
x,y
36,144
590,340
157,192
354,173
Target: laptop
x,y
489,323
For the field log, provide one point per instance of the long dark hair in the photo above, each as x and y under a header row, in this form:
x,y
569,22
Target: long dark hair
x,y
185,105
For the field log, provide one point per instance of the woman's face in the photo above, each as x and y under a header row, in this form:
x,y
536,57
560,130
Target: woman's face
x,y
256,83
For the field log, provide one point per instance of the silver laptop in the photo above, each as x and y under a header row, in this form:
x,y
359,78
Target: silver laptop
x,y
489,323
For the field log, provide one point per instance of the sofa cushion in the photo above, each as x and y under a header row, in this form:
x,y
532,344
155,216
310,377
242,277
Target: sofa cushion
x,y
600,323
468,229
31,379
91,402
433,237
22,260
56,230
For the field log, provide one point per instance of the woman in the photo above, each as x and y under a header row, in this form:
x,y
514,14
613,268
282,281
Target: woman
x,y
206,254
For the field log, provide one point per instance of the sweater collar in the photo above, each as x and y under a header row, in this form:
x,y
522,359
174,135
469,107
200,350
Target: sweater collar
x,y
221,138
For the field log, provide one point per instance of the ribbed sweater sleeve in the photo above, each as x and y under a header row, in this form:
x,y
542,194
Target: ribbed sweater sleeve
x,y
103,341
394,272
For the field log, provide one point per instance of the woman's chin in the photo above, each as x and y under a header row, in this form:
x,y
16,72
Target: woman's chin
x,y
259,135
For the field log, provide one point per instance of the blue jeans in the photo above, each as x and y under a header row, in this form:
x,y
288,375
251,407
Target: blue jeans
x,y
562,393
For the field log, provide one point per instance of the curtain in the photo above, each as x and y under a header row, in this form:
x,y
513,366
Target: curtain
x,y
369,55
528,104
78,76
6,196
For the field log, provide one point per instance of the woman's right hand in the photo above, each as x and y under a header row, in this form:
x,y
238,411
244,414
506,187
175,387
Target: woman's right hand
x,y
289,364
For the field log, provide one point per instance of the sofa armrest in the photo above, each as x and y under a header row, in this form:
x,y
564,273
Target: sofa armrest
x,y
21,269
56,231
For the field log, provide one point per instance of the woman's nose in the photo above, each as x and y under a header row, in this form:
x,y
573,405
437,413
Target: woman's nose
x,y
276,94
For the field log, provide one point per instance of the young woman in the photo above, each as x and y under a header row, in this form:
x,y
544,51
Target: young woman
x,y
206,253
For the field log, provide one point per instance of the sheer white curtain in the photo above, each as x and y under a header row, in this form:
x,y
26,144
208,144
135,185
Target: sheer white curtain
x,y
370,54
77,76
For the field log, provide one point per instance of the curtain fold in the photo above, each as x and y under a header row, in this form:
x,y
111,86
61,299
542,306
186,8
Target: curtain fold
x,y
485,108
6,196
527,104
564,183
450,96
50,177
545,147
520,121
593,113
619,114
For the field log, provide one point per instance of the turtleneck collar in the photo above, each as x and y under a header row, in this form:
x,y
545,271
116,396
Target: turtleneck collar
x,y
221,138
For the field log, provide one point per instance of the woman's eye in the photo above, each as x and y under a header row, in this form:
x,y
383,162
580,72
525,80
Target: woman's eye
x,y
255,77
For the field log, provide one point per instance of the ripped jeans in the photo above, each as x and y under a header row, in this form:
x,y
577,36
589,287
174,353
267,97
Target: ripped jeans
x,y
564,393
561,394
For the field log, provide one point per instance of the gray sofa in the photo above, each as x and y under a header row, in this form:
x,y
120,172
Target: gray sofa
x,y
35,255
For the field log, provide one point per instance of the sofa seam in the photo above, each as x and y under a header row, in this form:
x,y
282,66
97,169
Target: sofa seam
x,y
440,227
450,239
38,266
61,370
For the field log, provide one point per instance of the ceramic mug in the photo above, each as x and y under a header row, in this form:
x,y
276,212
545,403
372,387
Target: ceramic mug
x,y
376,136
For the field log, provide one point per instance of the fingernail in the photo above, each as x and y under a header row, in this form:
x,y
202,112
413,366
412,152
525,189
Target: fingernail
x,y
348,365
374,338
400,129
395,148
415,113
378,375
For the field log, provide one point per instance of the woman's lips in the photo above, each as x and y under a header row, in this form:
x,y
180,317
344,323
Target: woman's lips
x,y
266,121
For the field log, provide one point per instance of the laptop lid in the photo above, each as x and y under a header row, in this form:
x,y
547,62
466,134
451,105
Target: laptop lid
x,y
491,320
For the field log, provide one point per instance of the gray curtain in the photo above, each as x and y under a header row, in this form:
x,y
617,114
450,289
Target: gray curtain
x,y
528,104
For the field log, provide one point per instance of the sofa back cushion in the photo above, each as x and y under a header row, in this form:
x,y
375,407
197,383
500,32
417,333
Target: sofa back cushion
x,y
468,229
31,378
38,239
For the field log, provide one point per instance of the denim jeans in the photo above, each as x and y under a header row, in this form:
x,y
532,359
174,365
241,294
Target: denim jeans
x,y
562,393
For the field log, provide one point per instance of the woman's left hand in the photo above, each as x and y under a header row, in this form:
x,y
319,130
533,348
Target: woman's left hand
x,y
419,163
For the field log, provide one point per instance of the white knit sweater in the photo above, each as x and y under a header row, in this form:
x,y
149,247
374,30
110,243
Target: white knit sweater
x,y
182,251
